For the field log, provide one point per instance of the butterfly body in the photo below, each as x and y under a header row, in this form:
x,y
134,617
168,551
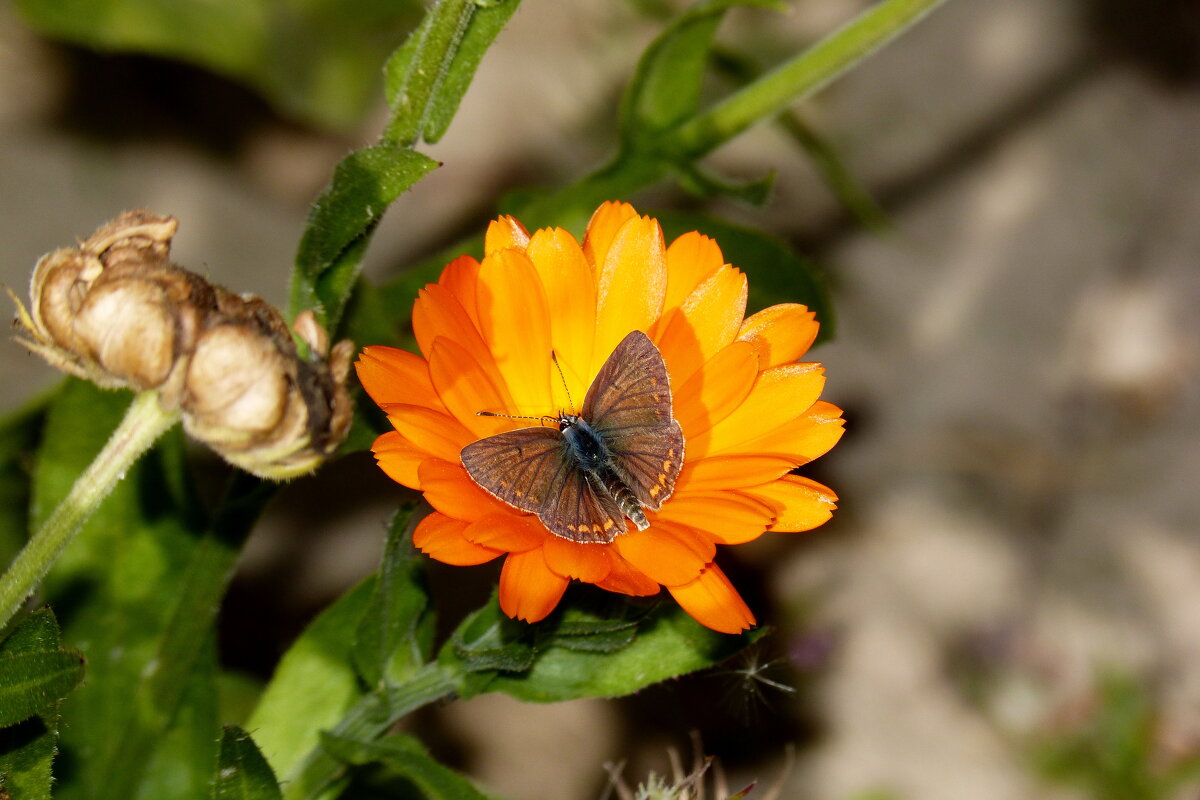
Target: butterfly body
x,y
621,455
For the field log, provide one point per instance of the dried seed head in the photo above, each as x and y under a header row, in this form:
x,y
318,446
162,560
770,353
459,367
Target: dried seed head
x,y
114,310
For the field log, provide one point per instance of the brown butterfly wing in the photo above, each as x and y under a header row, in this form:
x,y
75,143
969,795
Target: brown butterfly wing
x,y
629,407
518,466
533,469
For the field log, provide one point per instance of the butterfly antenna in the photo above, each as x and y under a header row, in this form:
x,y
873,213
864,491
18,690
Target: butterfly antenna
x,y
542,419
563,378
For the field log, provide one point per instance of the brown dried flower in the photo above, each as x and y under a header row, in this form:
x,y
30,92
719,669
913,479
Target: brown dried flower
x,y
115,311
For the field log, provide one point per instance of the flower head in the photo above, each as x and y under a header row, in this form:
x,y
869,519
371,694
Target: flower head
x,y
525,332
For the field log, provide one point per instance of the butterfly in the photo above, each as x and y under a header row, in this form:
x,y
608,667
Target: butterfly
x,y
582,478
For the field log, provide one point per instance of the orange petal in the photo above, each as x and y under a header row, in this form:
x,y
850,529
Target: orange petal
x,y
630,285
511,531
587,562
730,472
712,601
716,389
504,232
571,293
442,538
450,490
809,436
690,259
466,389
801,504
515,321
666,552
438,434
728,517
398,458
602,227
707,321
460,278
438,313
529,590
778,394
780,334
392,375
624,578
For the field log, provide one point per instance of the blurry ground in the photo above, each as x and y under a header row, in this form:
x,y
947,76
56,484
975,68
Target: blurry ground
x,y
1017,360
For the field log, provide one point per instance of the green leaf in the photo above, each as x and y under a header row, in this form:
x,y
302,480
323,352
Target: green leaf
x,y
668,643
35,670
317,60
395,636
405,756
27,753
113,590
314,684
665,88
777,274
485,643
242,772
428,75
19,435
341,220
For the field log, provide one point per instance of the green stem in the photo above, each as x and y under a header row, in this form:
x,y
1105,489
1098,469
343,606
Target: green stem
x,y
367,720
144,422
798,78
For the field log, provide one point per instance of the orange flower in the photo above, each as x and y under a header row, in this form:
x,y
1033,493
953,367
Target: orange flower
x,y
749,412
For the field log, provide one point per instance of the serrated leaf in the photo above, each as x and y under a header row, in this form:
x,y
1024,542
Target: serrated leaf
x,y
242,772
669,643
395,635
35,670
405,756
330,254
314,684
777,274
665,88
487,641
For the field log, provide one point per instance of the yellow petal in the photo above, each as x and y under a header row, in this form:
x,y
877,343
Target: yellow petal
x,y
586,562
779,394
436,433
514,533
442,538
629,286
503,233
715,390
730,472
571,294
666,552
690,260
466,389
809,436
624,578
437,313
460,278
801,504
602,227
515,321
399,458
726,516
712,601
529,590
780,334
707,321
391,375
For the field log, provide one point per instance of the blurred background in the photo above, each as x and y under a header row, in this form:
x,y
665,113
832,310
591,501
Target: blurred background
x,y
1007,604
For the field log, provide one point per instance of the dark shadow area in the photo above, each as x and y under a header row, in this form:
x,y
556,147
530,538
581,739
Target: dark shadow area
x,y
1159,37
120,97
